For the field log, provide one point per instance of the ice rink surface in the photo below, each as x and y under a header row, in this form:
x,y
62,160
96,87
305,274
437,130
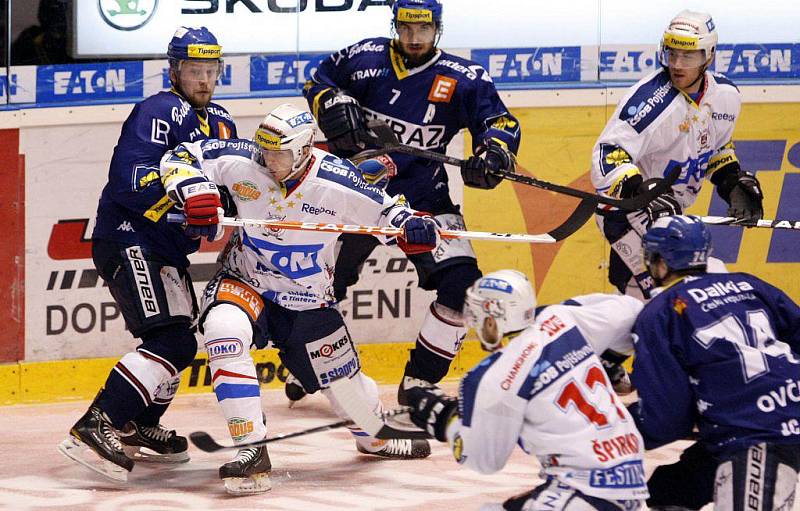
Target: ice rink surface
x,y
319,472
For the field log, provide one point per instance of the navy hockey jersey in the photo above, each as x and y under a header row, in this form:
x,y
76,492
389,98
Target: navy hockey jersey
x,y
133,203
719,351
425,106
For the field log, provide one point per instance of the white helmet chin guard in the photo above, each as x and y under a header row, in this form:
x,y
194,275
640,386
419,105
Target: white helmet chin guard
x,y
507,296
287,128
689,31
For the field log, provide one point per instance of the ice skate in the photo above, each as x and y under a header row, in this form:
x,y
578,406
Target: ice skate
x,y
294,389
407,383
154,444
93,443
397,448
248,472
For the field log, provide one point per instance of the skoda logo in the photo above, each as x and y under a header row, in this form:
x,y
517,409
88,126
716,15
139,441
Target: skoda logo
x,y
127,14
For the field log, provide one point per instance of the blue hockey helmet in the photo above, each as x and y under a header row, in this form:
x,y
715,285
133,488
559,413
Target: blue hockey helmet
x,y
193,43
683,242
417,11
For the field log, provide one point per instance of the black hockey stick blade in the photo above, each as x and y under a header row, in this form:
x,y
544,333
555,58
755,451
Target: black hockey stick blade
x,y
576,220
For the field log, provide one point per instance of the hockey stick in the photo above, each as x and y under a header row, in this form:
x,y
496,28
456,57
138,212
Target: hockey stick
x,y
352,401
573,223
206,443
387,140
737,222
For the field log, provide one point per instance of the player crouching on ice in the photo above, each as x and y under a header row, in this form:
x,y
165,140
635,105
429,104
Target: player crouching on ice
x,y
547,392
278,285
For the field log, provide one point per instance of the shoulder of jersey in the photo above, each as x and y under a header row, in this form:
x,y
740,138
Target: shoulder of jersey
x,y
333,169
460,67
725,83
219,111
371,47
213,148
164,102
647,100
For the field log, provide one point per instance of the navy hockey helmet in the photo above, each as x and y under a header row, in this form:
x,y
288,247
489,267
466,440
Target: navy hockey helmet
x,y
193,43
683,242
417,11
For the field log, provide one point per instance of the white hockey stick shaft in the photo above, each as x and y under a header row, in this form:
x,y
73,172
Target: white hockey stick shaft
x,y
385,231
768,224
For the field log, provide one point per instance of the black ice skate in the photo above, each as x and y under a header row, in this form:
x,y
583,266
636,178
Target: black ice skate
x,y
398,448
248,472
93,443
294,389
154,444
407,383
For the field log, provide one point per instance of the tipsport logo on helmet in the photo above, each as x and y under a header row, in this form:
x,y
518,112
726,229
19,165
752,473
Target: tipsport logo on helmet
x,y
127,14
414,15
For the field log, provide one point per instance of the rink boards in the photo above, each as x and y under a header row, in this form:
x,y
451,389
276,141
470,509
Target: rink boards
x,y
64,326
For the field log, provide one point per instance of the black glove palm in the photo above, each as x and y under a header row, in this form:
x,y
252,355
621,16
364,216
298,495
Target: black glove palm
x,y
746,199
477,169
342,121
431,410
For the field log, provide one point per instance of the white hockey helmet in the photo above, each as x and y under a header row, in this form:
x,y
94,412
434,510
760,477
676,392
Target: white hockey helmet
x,y
288,128
689,31
507,297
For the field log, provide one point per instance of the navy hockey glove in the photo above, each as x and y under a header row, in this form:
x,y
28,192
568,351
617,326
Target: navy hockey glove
x,y
477,169
342,121
432,410
742,192
378,171
420,234
612,363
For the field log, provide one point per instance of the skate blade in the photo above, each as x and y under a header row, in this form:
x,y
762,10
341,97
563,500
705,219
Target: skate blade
x,y
80,453
145,455
257,483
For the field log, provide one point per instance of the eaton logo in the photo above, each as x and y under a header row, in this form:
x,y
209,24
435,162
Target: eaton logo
x,y
79,82
557,64
224,77
276,72
617,63
758,60
496,284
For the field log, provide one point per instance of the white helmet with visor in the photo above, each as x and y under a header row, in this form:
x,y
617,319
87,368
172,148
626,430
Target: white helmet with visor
x,y
286,135
689,41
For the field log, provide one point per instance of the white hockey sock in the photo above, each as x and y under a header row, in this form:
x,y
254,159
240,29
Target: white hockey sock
x,y
442,331
369,391
228,334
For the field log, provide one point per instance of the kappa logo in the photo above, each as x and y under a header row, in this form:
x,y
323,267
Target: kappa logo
x,y
126,227
127,14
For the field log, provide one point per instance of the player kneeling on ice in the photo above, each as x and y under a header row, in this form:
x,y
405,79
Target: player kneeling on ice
x,y
278,285
545,391
719,351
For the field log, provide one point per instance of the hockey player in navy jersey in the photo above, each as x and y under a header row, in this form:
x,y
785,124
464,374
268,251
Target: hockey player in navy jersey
x,y
426,96
681,115
546,392
720,352
142,259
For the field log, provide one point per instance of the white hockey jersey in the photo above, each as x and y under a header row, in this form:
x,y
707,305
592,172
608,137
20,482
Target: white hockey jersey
x,y
547,392
656,127
291,268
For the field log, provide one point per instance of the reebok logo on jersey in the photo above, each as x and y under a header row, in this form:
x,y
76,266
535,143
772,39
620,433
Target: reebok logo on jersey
x,y
442,89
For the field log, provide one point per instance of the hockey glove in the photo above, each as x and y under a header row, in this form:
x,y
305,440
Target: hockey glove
x,y
742,192
477,169
420,234
342,121
617,375
432,410
201,204
664,205
378,171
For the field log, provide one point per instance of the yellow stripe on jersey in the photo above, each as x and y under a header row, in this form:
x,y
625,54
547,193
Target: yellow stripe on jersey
x,y
315,103
725,156
397,61
158,209
204,125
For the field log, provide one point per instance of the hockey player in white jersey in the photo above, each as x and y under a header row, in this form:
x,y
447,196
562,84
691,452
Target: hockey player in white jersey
x,y
277,284
547,392
681,115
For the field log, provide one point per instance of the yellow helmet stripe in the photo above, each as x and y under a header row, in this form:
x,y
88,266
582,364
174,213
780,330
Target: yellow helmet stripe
x,y
414,15
681,42
204,51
